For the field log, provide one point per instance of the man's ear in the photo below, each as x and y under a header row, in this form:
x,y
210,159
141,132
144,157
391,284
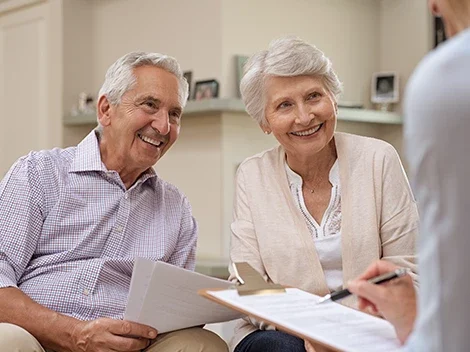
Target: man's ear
x,y
104,110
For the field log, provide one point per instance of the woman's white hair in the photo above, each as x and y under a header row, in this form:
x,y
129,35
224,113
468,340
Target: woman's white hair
x,y
120,77
286,57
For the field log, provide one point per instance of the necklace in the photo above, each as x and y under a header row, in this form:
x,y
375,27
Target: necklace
x,y
312,190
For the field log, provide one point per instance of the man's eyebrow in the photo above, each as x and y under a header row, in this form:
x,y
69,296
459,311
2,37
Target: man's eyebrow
x,y
148,97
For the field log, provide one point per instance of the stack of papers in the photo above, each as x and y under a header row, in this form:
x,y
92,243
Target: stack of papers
x,y
165,297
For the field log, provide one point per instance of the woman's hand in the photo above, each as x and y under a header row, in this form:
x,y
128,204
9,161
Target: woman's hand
x,y
309,347
394,300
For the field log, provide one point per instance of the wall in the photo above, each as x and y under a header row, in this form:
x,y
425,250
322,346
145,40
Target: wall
x,y
405,37
77,62
346,30
194,164
188,30
30,78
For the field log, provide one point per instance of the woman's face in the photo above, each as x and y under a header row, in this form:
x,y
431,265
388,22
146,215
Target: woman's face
x,y
301,113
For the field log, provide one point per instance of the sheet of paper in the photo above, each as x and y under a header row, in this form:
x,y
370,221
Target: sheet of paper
x,y
334,324
165,297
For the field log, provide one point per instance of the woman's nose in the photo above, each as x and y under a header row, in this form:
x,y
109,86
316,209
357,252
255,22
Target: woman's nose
x,y
304,115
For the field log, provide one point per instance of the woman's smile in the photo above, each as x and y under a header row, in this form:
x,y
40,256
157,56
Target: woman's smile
x,y
309,132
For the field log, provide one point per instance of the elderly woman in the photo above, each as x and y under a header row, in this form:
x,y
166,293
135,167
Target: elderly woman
x,y
315,211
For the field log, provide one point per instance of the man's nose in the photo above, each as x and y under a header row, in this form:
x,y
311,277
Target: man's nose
x,y
161,122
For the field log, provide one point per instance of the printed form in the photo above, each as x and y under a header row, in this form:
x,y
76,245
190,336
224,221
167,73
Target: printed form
x,y
330,323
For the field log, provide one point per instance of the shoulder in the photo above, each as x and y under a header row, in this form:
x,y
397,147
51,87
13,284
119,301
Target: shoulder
x,y
442,75
263,159
44,162
171,193
354,146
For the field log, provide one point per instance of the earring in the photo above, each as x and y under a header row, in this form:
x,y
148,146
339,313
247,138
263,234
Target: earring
x,y
267,132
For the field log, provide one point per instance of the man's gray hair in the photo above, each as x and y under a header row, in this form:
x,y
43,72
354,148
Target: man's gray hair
x,y
286,57
120,77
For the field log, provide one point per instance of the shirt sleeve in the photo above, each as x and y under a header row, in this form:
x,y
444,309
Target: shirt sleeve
x,y
185,253
20,220
399,218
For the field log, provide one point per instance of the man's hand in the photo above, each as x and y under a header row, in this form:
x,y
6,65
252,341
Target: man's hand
x,y
103,335
394,300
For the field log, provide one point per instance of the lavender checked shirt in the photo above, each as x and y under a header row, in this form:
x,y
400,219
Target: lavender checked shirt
x,y
69,230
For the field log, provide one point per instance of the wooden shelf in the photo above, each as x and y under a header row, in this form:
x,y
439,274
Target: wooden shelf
x,y
210,106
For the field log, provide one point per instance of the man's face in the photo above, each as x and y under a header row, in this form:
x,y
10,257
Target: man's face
x,y
139,131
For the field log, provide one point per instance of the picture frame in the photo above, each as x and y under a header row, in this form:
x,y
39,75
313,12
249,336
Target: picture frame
x,y
439,31
208,89
189,76
240,61
384,88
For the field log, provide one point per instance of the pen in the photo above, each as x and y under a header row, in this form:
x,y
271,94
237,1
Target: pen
x,y
337,295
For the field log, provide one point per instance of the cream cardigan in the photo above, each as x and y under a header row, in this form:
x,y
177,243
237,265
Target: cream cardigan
x,y
379,218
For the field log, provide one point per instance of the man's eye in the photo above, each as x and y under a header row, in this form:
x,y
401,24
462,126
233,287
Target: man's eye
x,y
150,104
175,115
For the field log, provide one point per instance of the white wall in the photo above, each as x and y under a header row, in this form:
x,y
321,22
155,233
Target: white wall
x,y
194,164
405,37
346,30
188,30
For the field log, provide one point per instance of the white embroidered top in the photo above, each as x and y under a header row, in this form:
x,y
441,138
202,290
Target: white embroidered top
x,y
327,234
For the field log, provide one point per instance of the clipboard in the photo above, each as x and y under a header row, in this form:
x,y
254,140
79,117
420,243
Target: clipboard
x,y
266,292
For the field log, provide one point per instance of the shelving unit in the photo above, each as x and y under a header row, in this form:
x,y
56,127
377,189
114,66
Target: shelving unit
x,y
210,106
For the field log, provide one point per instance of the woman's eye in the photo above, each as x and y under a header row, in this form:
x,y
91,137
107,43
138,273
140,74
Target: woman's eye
x,y
284,105
314,95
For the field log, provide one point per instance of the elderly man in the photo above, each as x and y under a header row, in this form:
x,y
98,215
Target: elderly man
x,y
73,220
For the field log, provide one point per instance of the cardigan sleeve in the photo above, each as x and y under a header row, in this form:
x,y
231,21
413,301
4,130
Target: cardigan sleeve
x,y
244,243
399,216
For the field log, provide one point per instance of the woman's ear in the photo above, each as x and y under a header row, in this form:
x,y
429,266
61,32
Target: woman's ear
x,y
265,128
103,110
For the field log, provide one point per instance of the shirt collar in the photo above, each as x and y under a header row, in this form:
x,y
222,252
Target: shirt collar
x,y
88,158
296,180
87,155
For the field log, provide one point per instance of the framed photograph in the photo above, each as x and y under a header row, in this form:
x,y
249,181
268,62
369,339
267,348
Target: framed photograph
x,y
189,76
206,89
240,64
384,87
439,32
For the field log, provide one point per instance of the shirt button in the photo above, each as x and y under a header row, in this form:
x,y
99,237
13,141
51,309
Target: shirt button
x,y
118,228
86,292
126,196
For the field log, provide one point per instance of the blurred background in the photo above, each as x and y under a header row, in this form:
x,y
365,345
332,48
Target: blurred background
x,y
54,54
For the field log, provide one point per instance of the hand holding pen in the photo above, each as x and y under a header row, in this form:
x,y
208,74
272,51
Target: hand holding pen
x,y
338,295
395,302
